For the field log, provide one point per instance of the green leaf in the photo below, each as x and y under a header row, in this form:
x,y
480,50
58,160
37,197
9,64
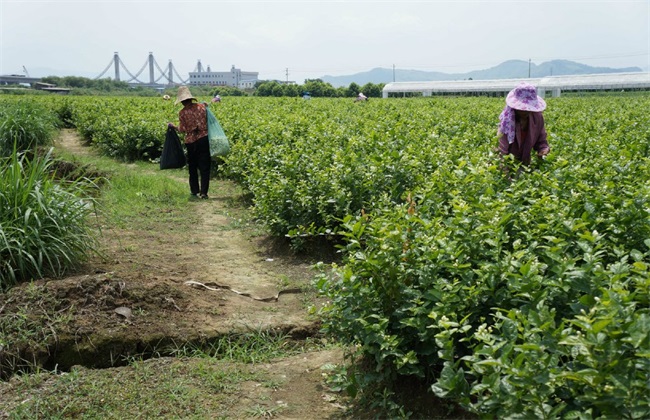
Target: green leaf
x,y
599,325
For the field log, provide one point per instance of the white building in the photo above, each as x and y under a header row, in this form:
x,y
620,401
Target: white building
x,y
248,84
551,85
235,77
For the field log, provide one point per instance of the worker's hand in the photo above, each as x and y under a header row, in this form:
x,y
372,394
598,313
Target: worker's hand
x,y
542,153
170,125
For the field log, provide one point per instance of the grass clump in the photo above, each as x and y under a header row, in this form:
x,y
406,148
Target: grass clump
x,y
257,346
157,388
31,318
25,126
135,196
211,380
43,222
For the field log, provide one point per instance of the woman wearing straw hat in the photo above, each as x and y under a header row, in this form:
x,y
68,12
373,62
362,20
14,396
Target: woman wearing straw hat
x,y
521,124
194,123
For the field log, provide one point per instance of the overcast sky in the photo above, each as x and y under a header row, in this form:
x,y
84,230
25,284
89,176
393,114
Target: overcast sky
x,y
317,38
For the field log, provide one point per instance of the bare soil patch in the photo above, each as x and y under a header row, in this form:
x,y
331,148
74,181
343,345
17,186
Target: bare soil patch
x,y
136,300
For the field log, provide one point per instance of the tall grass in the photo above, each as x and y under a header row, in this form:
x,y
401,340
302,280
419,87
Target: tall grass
x,y
43,222
26,125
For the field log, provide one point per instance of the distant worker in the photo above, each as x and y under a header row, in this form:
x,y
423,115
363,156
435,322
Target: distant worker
x,y
194,123
361,97
216,98
521,126
166,97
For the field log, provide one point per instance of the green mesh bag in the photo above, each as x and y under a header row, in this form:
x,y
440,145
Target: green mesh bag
x,y
219,145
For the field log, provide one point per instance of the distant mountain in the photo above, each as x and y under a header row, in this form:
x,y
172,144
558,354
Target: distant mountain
x,y
512,69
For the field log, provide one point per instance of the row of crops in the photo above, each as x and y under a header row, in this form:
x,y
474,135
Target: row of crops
x,y
514,292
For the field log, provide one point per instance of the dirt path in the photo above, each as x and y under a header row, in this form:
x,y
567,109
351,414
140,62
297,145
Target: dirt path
x,y
148,272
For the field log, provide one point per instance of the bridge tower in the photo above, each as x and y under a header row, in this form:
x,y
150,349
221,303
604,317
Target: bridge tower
x,y
170,75
151,79
116,61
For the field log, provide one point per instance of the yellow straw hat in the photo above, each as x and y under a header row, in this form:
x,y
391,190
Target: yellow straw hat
x,y
183,94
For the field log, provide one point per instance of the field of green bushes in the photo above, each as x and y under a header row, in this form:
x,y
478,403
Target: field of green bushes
x,y
515,292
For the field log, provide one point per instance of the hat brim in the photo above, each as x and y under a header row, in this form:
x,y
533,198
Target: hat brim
x,y
538,105
179,100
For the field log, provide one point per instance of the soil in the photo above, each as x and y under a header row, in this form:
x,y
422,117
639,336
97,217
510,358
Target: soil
x,y
153,289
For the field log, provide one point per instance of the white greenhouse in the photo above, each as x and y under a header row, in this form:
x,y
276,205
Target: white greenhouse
x,y
551,85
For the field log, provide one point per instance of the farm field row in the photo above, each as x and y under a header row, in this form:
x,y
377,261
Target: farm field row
x,y
524,293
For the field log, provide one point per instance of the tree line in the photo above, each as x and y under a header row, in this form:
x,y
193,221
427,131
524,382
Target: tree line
x,y
317,88
314,87
85,86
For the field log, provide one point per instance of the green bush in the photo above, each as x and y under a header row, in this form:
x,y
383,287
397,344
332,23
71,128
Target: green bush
x,y
518,297
128,129
475,290
63,110
43,222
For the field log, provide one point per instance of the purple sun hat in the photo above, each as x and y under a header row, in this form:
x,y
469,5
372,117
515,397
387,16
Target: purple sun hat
x,y
524,98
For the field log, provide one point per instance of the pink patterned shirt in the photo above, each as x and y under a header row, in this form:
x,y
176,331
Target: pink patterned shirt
x,y
525,141
193,121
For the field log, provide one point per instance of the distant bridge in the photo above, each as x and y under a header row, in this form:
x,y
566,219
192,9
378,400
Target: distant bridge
x,y
168,75
159,80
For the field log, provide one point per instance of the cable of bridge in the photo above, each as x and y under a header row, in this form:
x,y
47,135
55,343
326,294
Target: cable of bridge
x,y
161,76
162,72
129,73
144,66
105,70
165,74
177,75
